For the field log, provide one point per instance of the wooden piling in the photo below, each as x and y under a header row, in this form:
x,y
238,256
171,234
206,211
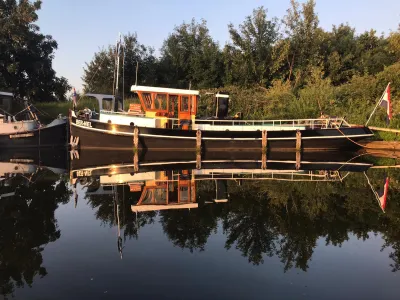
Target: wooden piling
x,y
135,138
136,161
298,140
298,149
198,161
198,140
298,160
136,149
198,149
264,142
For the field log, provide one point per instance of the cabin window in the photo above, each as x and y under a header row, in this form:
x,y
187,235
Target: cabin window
x,y
184,193
106,104
147,100
185,103
161,102
173,104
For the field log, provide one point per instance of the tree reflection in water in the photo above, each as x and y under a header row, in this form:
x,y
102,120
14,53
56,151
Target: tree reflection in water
x,y
272,218
105,206
27,225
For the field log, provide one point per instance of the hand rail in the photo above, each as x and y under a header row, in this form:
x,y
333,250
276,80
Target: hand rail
x,y
311,123
326,123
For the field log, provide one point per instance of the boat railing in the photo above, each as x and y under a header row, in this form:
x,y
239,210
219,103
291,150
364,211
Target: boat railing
x,y
294,123
285,123
269,175
258,175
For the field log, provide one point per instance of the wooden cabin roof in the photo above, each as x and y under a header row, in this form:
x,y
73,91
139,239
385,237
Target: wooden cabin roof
x,y
152,89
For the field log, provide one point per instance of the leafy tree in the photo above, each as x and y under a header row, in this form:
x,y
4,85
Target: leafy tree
x,y
303,38
26,54
394,43
249,58
99,72
339,49
189,56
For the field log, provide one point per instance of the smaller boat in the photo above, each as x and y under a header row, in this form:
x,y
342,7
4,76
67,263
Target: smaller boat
x,y
31,133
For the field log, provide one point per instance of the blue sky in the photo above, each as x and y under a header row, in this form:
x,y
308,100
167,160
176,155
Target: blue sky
x,y
82,27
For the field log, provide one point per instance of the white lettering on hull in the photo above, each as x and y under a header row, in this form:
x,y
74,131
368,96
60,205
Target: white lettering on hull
x,y
84,123
84,173
22,135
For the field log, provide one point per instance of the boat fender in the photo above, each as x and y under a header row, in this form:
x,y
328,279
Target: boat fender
x,y
132,124
109,121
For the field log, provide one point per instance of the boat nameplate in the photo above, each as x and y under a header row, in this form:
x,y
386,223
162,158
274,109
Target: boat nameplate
x,y
22,135
84,123
84,173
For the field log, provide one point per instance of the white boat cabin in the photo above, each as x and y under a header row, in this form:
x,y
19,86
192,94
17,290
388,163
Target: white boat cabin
x,y
177,109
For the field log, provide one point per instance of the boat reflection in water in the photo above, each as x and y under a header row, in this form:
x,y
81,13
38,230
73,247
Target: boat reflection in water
x,y
227,206
172,184
152,186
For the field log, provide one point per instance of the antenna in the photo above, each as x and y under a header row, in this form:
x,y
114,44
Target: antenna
x,y
137,68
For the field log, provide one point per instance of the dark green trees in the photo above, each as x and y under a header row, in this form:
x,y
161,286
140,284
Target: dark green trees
x,y
26,54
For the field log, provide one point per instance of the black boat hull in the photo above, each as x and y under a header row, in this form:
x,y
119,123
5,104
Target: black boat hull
x,y
149,160
93,134
45,137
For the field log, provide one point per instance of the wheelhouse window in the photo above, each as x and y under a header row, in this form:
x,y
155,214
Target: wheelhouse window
x,y
173,104
148,101
161,102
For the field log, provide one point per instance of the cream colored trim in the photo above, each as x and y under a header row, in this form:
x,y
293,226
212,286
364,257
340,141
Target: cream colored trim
x,y
152,89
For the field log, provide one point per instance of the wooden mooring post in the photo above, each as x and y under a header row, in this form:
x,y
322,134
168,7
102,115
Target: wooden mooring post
x,y
135,138
264,149
136,149
198,149
298,149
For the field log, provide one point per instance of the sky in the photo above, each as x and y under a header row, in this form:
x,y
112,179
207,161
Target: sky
x,y
83,27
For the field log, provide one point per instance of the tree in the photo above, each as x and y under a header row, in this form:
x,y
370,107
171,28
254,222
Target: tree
x,y
189,56
99,72
249,58
302,37
394,43
26,54
339,52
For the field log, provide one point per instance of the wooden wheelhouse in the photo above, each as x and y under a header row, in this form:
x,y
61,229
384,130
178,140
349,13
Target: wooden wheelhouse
x,y
168,104
168,191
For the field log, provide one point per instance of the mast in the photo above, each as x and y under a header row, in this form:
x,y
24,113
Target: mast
x,y
119,44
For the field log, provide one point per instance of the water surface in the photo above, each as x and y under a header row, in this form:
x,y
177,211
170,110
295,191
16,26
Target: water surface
x,y
267,239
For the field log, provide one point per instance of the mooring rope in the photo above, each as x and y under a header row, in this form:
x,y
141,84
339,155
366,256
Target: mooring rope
x,y
354,142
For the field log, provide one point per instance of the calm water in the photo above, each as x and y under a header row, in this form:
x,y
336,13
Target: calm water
x,y
263,239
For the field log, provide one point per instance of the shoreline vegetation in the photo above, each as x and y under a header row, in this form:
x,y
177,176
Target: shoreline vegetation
x,y
273,68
